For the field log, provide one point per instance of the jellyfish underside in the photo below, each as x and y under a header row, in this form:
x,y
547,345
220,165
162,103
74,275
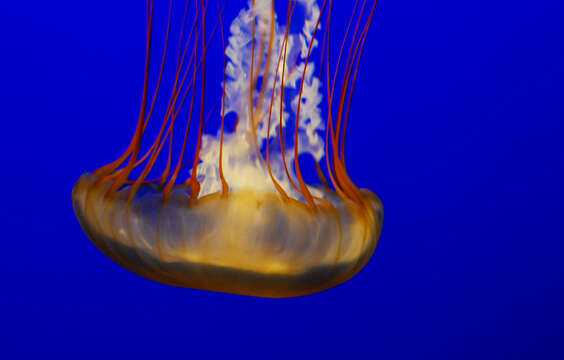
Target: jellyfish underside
x,y
247,223
250,243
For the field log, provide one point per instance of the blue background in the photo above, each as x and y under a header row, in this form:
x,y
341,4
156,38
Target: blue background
x,y
458,124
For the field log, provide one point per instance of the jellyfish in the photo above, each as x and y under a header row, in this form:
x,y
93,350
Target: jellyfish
x,y
230,209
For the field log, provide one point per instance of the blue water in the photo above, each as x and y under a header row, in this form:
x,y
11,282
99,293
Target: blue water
x,y
457,124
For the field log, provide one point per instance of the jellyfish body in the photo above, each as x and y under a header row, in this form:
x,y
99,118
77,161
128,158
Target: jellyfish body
x,y
250,243
244,220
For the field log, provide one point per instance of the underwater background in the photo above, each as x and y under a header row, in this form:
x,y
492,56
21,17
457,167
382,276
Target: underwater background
x,y
457,124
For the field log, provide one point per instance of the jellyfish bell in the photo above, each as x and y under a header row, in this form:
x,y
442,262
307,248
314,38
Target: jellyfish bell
x,y
243,220
251,243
